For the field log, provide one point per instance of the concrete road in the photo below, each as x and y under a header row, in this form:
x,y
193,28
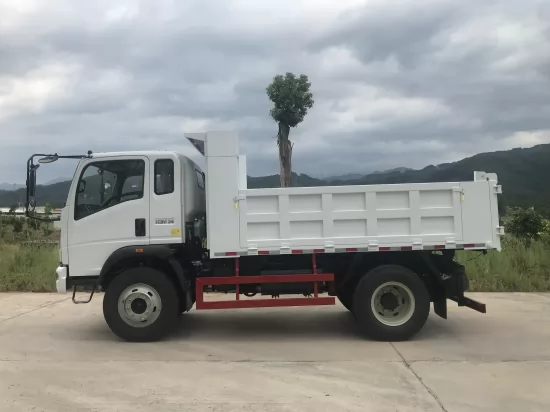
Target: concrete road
x,y
56,356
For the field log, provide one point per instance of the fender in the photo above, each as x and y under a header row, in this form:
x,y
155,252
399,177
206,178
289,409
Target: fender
x,y
146,251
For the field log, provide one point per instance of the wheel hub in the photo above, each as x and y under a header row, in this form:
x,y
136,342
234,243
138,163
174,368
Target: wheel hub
x,y
392,303
389,301
139,305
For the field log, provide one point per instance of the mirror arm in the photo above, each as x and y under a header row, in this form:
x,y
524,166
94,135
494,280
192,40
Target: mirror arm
x,y
31,185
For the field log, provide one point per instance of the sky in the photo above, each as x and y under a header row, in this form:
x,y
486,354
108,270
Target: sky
x,y
395,83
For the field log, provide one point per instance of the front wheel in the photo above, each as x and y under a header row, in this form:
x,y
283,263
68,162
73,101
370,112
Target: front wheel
x,y
140,305
346,299
391,303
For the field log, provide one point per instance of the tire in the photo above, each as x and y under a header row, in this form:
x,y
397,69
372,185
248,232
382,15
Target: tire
x,y
346,299
136,284
182,302
375,309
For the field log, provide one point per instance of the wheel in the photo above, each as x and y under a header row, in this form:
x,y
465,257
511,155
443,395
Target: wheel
x,y
182,308
391,303
182,302
346,299
141,305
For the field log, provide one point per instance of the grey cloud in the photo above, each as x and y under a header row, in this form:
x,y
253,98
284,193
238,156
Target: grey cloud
x,y
498,100
140,81
407,33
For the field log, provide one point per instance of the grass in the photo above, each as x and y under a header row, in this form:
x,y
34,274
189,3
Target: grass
x,y
516,269
27,268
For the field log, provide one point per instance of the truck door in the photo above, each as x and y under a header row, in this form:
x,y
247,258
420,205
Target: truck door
x,y
108,210
166,179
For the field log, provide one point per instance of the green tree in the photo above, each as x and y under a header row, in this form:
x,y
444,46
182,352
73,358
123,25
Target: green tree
x,y
525,224
291,100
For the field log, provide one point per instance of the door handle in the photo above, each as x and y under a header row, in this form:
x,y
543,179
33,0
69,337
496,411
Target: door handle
x,y
140,227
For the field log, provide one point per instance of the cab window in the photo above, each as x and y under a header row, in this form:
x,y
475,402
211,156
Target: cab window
x,y
103,185
200,178
164,176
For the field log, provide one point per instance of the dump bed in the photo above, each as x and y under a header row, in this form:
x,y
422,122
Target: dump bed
x,y
417,216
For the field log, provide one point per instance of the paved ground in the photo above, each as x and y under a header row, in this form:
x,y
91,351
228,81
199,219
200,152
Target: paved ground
x,y
55,356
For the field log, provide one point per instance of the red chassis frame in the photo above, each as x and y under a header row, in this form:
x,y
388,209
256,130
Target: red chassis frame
x,y
264,303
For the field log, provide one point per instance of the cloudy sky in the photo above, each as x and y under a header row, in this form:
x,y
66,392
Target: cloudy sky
x,y
395,83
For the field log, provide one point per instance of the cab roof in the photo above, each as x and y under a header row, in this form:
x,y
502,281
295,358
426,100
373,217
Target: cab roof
x,y
136,153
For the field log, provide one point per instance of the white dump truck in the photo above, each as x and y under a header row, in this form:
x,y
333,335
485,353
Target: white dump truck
x,y
156,234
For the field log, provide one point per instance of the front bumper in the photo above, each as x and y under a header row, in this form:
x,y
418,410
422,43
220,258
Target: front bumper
x,y
61,282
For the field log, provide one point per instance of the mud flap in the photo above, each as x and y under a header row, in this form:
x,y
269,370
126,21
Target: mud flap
x,y
440,308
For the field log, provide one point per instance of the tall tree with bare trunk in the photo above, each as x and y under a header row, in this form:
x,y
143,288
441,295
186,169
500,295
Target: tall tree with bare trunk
x,y
291,100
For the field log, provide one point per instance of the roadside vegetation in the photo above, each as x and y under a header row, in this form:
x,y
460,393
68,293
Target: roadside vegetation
x,y
518,268
27,267
28,253
29,256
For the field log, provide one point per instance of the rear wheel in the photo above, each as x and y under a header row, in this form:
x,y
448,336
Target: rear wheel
x,y
141,304
391,303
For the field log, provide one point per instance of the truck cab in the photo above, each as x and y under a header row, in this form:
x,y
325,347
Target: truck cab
x,y
127,199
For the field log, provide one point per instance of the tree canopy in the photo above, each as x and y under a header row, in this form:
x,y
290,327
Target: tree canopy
x,y
291,98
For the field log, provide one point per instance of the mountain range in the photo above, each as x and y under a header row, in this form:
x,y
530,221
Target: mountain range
x,y
523,173
11,186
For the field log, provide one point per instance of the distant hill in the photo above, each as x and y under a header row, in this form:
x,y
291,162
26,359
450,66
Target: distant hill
x,y
55,194
349,176
57,180
10,186
355,176
298,180
523,173
397,170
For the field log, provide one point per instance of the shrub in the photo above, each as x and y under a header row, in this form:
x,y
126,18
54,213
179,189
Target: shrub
x,y
17,225
545,233
524,224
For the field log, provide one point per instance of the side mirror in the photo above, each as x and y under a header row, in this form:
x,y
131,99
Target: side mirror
x,y
81,186
49,159
32,179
